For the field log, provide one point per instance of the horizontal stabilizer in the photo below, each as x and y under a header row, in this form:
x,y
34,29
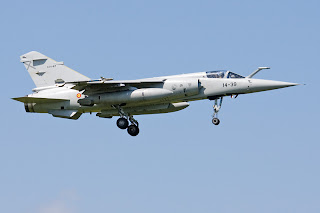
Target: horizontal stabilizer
x,y
38,100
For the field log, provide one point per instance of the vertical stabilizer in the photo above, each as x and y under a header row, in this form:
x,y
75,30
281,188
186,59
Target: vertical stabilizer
x,y
45,71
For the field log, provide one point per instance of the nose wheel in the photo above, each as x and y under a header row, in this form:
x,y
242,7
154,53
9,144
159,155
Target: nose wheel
x,y
216,108
215,121
123,122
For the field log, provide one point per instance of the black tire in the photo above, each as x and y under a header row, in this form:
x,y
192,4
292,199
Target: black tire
x,y
215,121
122,123
133,130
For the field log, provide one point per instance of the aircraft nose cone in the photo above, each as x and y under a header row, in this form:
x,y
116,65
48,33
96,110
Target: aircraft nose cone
x,y
258,85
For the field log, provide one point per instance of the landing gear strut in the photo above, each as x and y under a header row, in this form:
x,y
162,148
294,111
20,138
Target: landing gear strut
x,y
123,122
216,108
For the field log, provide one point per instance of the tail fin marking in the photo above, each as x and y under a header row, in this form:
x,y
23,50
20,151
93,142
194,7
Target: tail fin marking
x,y
45,71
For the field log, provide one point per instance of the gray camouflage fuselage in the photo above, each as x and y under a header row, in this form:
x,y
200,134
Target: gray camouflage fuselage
x,y
65,93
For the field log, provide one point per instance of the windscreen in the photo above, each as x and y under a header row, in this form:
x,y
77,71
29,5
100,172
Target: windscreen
x,y
234,75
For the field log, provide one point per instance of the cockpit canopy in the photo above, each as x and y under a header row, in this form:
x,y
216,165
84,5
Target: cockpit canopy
x,y
222,74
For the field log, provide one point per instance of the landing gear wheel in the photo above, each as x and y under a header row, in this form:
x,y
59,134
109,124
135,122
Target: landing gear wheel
x,y
133,130
122,123
215,121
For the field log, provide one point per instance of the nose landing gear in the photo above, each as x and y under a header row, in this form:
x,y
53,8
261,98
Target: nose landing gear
x,y
215,121
123,122
216,108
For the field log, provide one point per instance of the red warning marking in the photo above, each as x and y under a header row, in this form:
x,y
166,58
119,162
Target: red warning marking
x,y
79,95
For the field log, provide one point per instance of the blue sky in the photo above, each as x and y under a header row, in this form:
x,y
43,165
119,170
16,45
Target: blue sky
x,y
263,157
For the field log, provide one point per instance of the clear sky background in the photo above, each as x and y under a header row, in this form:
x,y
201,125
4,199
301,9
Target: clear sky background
x,y
263,157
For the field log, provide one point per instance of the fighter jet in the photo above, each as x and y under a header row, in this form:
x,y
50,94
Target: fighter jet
x,y
65,93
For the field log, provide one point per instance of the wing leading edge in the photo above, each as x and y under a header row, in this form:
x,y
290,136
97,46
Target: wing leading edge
x,y
38,100
106,86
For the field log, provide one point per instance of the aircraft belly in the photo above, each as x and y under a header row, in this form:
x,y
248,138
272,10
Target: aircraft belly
x,y
147,109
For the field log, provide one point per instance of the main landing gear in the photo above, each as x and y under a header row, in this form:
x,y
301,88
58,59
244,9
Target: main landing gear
x,y
216,108
123,122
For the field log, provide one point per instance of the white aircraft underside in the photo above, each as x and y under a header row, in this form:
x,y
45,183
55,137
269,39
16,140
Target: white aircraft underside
x,y
66,93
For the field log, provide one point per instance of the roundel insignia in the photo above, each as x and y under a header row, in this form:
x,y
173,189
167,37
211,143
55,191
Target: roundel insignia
x,y
79,95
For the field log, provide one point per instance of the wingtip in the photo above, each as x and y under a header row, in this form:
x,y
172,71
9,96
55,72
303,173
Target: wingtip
x,y
17,99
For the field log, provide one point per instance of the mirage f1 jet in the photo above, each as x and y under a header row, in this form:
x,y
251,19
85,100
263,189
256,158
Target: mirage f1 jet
x,y
65,93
